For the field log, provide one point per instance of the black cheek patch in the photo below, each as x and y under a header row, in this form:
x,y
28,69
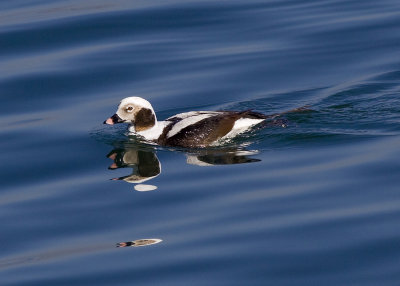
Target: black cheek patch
x,y
144,119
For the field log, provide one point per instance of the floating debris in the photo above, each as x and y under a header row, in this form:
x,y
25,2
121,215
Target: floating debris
x,y
139,242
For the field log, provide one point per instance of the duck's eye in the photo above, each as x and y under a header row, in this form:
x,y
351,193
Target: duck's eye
x,y
129,109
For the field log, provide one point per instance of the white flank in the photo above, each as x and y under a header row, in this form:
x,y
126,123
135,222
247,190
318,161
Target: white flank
x,y
186,122
241,125
246,123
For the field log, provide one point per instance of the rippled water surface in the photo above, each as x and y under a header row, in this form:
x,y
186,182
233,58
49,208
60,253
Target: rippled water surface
x,y
311,199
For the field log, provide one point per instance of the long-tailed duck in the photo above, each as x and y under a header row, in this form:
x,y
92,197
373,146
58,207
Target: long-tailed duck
x,y
190,129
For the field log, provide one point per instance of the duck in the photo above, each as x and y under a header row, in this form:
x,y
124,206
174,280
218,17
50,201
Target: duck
x,y
193,129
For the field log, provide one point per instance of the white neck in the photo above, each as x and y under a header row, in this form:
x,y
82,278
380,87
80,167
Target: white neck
x,y
152,133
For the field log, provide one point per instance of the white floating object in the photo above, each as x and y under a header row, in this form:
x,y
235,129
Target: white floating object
x,y
139,242
145,188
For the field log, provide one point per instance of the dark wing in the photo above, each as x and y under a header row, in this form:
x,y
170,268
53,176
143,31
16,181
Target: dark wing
x,y
201,133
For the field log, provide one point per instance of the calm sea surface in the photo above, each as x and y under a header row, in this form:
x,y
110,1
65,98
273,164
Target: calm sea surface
x,y
312,199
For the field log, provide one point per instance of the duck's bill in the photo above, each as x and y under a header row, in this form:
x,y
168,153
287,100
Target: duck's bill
x,y
113,120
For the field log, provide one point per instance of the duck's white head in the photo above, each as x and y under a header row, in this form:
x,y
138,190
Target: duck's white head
x,y
136,111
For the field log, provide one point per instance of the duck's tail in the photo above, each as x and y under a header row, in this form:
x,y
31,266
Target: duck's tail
x,y
257,115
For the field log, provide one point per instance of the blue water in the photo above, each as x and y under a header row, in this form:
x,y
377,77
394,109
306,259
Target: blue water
x,y
312,199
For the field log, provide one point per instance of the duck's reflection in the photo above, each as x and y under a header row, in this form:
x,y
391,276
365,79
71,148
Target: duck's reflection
x,y
146,166
218,157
